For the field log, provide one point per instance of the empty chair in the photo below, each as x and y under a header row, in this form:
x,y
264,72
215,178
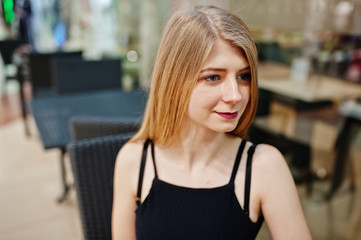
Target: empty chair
x,y
93,163
7,48
93,127
13,71
41,68
78,75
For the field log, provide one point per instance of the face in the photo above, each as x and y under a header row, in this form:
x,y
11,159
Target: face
x,y
222,91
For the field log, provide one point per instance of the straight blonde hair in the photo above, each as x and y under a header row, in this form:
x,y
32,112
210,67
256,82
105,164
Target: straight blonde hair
x,y
186,42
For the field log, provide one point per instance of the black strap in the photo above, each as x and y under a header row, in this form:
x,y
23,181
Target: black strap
x,y
141,172
153,158
238,160
247,187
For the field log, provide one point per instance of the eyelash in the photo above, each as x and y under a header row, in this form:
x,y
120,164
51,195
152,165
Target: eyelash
x,y
245,76
208,78
242,76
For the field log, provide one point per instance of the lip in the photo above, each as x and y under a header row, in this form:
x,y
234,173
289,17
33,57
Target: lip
x,y
228,115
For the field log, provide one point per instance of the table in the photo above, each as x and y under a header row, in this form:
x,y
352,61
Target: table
x,y
351,110
52,115
276,79
319,91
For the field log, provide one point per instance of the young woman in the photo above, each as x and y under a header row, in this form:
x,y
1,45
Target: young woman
x,y
189,173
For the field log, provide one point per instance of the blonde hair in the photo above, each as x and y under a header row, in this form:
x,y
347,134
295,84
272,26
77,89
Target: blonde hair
x,y
187,40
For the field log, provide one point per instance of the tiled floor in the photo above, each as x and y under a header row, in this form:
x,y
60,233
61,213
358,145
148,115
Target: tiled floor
x,y
30,184
9,107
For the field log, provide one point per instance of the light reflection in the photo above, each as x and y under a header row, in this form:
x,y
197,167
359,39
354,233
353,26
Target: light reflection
x,y
132,56
344,8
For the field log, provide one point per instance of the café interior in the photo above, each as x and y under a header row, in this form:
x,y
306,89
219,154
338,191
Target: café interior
x,y
309,79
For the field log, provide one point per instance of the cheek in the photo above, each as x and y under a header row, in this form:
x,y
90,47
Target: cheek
x,y
203,98
245,92
196,102
247,98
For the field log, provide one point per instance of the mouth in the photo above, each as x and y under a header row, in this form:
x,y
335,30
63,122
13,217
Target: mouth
x,y
228,115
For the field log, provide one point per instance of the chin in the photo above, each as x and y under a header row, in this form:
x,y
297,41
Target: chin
x,y
225,129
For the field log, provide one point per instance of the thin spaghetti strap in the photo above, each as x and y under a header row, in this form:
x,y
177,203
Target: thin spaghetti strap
x,y
141,172
153,158
238,160
247,187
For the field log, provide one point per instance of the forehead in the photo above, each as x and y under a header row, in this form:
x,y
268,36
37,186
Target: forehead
x,y
225,54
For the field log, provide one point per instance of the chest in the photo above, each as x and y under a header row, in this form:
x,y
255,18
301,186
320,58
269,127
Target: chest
x,y
173,212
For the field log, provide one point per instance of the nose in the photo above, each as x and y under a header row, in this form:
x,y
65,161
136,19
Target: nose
x,y
231,91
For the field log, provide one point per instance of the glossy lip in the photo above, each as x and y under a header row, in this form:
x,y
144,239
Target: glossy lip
x,y
228,115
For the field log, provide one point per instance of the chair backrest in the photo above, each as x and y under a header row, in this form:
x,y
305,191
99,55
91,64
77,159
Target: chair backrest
x,y
79,75
7,48
41,69
92,163
83,127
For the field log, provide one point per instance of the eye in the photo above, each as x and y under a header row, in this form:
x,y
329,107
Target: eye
x,y
244,76
212,78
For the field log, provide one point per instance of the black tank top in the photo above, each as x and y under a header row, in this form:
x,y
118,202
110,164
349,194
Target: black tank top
x,y
173,212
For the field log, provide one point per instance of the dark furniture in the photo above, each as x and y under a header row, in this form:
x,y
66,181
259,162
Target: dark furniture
x,y
274,52
36,68
307,100
297,146
78,75
352,120
41,71
52,115
92,163
7,48
94,127
270,51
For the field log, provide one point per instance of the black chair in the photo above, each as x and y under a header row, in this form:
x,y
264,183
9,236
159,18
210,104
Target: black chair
x,y
79,75
83,127
7,48
41,71
92,163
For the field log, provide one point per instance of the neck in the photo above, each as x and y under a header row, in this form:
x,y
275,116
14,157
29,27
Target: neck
x,y
199,146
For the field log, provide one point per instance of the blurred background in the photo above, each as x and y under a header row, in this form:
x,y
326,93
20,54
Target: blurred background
x,y
55,52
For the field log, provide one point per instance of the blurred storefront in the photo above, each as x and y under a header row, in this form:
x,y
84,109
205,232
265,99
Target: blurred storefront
x,y
303,45
325,31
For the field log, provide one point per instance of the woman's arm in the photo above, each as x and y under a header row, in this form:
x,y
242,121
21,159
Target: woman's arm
x,y
124,197
280,203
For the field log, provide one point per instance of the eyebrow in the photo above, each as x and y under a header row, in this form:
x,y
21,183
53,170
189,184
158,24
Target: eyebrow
x,y
222,69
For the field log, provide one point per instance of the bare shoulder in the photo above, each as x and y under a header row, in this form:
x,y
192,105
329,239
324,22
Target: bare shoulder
x,y
125,185
274,186
129,155
128,161
269,161
267,154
